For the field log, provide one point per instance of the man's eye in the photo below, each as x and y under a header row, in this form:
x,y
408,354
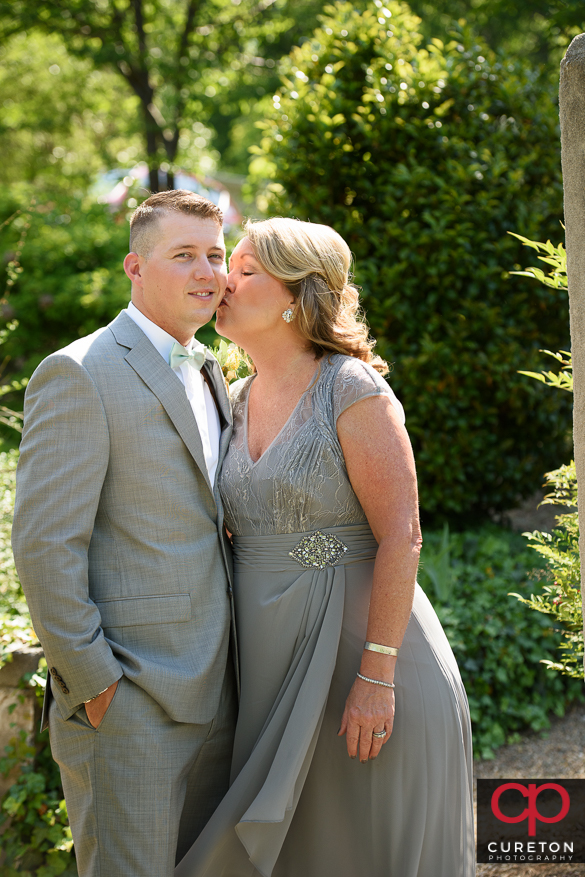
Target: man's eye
x,y
217,256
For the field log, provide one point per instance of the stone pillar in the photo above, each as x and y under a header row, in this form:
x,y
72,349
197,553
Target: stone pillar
x,y
572,113
26,660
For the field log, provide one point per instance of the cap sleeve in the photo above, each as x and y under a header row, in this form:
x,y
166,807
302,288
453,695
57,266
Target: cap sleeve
x,y
357,380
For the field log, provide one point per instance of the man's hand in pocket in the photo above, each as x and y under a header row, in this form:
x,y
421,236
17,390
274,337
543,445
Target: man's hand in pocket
x,y
96,709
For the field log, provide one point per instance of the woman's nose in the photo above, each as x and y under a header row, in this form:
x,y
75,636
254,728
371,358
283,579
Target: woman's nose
x,y
231,282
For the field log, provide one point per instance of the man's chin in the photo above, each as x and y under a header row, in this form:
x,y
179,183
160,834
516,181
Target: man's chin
x,y
203,312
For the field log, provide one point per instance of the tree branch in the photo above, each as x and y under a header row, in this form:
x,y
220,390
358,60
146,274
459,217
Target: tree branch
x,y
139,20
192,10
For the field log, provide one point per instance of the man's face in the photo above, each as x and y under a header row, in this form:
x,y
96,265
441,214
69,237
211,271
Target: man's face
x,y
181,283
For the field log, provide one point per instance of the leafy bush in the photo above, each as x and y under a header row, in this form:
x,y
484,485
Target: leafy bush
x,y
561,597
423,158
497,644
15,624
36,838
69,280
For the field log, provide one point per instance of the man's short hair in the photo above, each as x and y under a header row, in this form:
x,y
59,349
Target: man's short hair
x,y
144,221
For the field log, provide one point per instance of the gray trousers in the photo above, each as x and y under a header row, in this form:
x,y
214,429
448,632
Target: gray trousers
x,y
141,787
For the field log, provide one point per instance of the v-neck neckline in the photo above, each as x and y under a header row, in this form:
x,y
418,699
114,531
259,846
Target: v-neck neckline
x,y
314,378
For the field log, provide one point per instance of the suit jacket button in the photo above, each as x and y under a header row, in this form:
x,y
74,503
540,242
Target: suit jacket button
x,y
65,690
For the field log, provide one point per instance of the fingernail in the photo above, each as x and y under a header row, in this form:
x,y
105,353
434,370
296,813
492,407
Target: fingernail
x,y
364,761
353,756
339,731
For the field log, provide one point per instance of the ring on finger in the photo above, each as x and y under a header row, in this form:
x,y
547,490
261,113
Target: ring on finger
x,y
379,734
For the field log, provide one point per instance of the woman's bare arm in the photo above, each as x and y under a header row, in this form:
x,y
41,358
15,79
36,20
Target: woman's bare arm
x,y
380,465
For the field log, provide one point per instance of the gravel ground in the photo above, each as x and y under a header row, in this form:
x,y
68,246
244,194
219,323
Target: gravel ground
x,y
560,754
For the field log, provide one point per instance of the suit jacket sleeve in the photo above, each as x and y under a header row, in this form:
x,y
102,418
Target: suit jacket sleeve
x,y
63,462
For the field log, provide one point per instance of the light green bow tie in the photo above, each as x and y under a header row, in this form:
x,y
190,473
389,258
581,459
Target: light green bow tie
x,y
179,355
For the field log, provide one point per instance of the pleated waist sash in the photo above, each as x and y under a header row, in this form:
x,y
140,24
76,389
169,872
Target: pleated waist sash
x,y
315,549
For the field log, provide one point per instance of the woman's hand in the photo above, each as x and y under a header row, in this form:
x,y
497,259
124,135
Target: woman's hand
x,y
368,708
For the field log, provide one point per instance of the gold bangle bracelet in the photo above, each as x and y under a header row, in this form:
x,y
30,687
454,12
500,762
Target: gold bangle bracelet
x,y
383,650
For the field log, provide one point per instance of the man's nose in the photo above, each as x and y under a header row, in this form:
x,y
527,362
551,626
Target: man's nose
x,y
202,269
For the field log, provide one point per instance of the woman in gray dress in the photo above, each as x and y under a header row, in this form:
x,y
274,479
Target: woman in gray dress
x,y
350,760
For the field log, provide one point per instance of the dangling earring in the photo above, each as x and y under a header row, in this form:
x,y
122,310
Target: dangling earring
x,y
288,315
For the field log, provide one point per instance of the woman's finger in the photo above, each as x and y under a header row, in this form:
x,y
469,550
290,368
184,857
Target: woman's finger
x,y
379,736
388,727
365,744
353,732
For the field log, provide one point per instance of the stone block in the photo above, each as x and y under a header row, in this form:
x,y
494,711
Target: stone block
x,y
23,716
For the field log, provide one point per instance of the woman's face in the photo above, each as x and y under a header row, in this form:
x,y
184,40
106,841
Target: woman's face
x,y
253,302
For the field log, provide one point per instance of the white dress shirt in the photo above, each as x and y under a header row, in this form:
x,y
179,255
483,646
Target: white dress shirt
x,y
198,393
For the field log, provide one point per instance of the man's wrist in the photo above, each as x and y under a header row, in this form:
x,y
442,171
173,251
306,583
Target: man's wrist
x,y
95,697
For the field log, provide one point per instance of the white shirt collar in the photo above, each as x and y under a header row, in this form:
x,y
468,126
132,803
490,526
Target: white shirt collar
x,y
160,339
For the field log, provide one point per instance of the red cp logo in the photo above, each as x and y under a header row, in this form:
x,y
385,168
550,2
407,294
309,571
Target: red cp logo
x,y
531,812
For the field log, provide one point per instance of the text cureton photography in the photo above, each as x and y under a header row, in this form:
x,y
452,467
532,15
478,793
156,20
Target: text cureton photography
x,y
517,851
530,820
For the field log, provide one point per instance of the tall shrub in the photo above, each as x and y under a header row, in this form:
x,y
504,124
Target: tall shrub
x,y
423,157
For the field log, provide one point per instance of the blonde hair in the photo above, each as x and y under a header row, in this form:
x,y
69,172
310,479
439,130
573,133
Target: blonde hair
x,y
314,262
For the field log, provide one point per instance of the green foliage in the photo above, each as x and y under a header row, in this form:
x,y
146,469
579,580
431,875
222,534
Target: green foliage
x,y
423,158
189,65
58,128
561,596
539,30
498,646
15,624
563,379
37,838
70,278
560,549
437,567
556,257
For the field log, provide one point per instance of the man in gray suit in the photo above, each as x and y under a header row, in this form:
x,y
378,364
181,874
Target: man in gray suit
x,y
119,543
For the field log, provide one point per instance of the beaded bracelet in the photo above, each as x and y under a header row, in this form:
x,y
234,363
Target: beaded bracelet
x,y
376,681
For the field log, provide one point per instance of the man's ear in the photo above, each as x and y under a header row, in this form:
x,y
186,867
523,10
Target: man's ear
x,y
132,267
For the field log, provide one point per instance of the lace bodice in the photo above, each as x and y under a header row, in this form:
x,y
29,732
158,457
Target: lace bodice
x,y
300,482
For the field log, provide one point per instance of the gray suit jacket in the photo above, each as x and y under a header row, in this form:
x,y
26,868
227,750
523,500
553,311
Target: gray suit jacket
x,y
118,534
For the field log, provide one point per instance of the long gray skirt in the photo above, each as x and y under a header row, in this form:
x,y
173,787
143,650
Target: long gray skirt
x,y
298,806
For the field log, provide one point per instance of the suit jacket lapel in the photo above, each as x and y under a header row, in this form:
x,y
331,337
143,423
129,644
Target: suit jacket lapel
x,y
163,382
